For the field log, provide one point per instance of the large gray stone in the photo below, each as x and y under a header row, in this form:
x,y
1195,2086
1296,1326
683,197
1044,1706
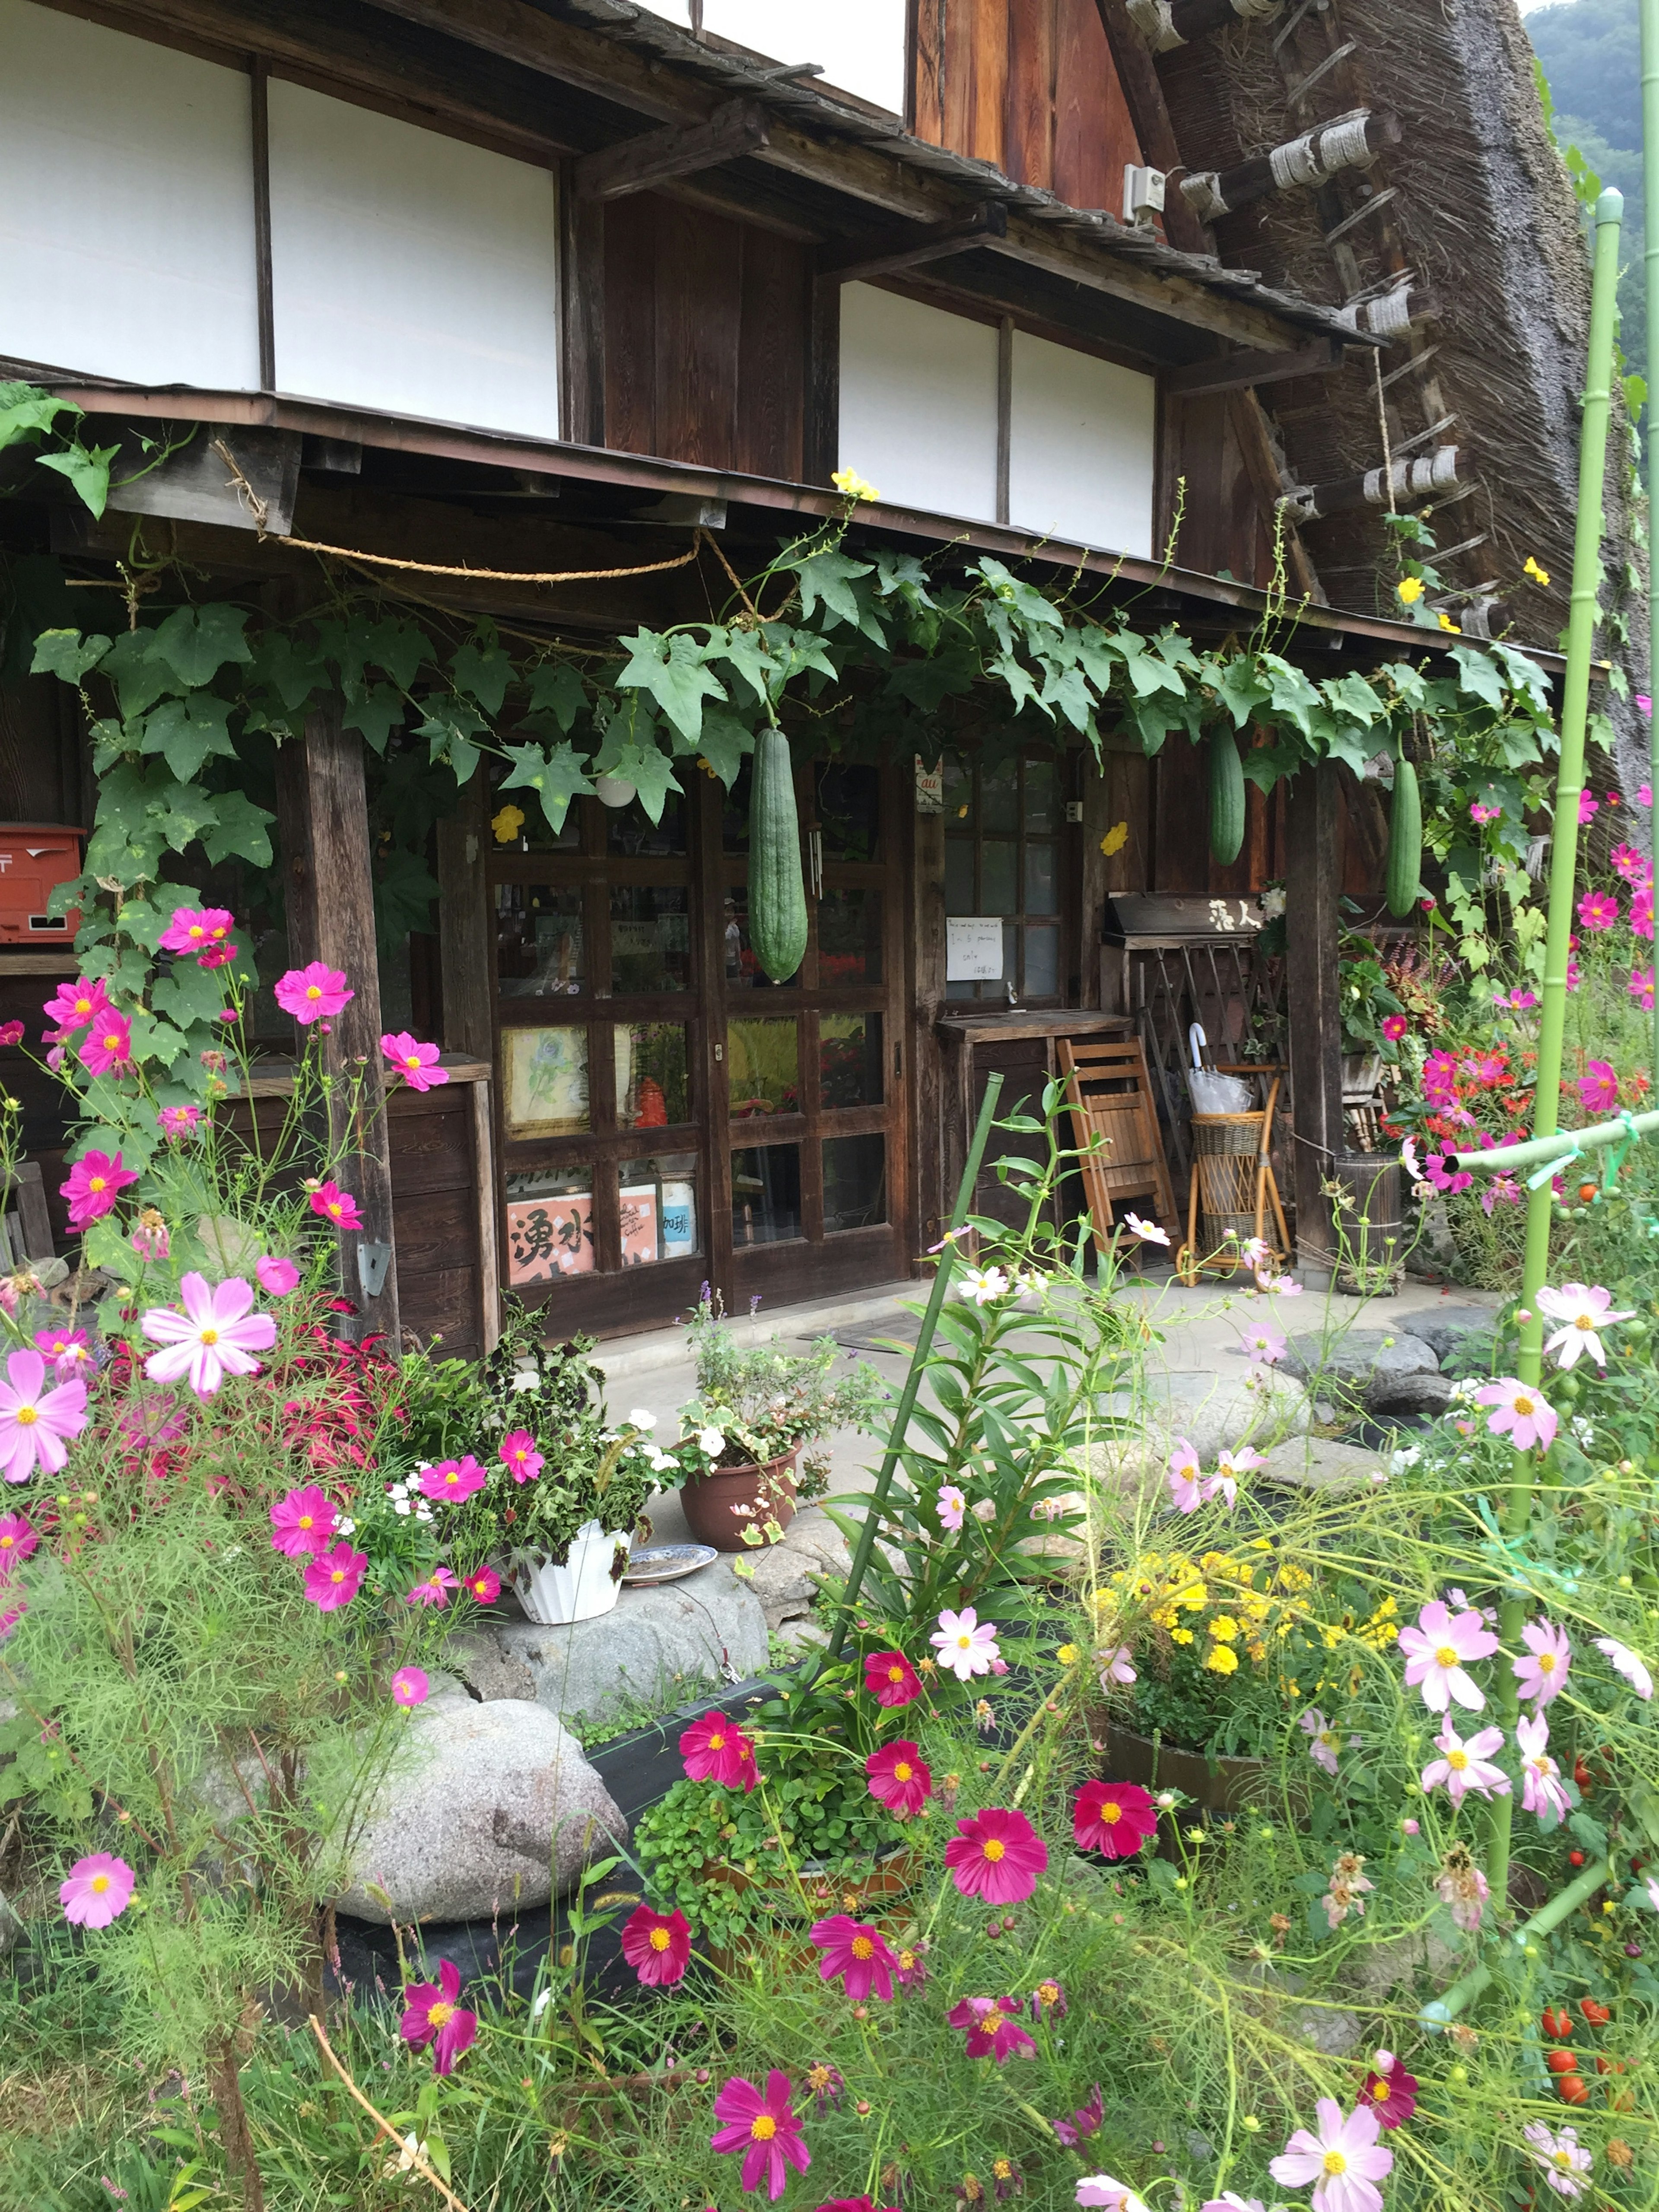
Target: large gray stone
x,y
476,1655
1322,1463
1355,1359
1417,1392
1214,1408
649,1650
786,1577
1449,1329
487,1806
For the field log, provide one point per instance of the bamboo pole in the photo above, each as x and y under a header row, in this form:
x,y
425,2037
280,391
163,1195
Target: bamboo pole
x,y
1651,209
1563,862
1445,2008
1515,1160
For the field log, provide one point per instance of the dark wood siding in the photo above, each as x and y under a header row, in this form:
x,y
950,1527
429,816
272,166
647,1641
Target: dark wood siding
x,y
435,1212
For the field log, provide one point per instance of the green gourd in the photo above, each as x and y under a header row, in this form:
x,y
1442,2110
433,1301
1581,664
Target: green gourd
x,y
1226,799
1405,840
777,895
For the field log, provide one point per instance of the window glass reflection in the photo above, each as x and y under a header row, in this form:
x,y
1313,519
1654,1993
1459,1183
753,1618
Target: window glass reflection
x,y
850,937
539,952
764,1066
650,938
549,1225
855,1182
849,1060
652,1087
544,1082
765,1194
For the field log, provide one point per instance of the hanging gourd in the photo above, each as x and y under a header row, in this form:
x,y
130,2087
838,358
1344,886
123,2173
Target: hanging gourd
x,y
1405,840
777,895
1226,799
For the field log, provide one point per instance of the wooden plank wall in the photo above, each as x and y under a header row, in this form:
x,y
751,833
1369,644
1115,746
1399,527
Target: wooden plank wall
x,y
706,338
1223,527
1027,84
435,1212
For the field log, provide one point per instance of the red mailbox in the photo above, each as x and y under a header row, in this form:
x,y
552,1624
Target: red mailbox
x,y
35,856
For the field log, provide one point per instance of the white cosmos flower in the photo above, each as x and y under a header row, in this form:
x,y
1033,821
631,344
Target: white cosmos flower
x,y
1624,1662
983,1284
1148,1231
1583,1311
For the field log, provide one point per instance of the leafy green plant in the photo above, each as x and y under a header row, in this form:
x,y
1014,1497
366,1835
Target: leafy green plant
x,y
762,1401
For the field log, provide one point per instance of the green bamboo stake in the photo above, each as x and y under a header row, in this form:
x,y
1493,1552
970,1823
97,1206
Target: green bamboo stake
x,y
1445,2008
1650,208
1515,1160
906,1404
1564,863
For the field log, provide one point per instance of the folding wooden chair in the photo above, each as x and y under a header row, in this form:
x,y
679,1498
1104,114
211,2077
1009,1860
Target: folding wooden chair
x,y
1110,1094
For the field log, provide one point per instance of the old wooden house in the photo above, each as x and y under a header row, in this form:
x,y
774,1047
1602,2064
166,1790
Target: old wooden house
x,y
1113,286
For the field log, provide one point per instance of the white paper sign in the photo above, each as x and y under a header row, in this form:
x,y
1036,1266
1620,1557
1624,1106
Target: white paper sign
x,y
973,949
930,788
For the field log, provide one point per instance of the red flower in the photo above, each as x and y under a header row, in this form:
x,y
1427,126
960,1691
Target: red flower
x,y
857,1952
716,1749
1114,1818
657,1946
1391,2094
900,1778
890,1678
764,2129
852,2204
991,2032
485,1585
996,1856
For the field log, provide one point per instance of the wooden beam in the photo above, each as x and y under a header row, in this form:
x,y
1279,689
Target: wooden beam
x,y
1232,372
1183,299
1313,893
582,315
259,107
1143,95
323,826
1311,159
466,951
637,165
883,258
822,456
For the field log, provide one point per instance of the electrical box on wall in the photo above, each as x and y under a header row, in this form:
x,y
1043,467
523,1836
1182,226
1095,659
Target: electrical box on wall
x,y
1143,193
35,856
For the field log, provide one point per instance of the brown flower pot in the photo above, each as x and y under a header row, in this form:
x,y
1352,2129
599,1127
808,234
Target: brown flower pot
x,y
1221,1785
721,1505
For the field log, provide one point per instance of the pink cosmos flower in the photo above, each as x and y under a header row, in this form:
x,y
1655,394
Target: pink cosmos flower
x,y
992,2033
859,1953
95,1181
1519,1410
1542,1791
98,1889
410,1686
1394,1026
1115,1668
74,1005
1482,812
1640,988
277,1277
657,1946
1436,1651
67,1351
37,1426
998,1856
1343,2162
1517,1001
303,1521
1389,2091
214,1336
416,1063
333,1578
763,2128
890,1678
1542,1673
1624,1662
1114,1818
1640,917
1589,808
1324,1742
313,993
17,1540
900,1778
716,1749
483,1585
1562,2157
1598,911
1100,2188
966,1645
1501,1190
1584,1310
1465,1767
337,1205
1185,1479
431,2016
1435,1171
150,1239
108,1049
950,1507
197,929
178,1122
1231,1465
451,1480
435,1590
520,1458
1463,1887
1598,1088
1629,863
1265,1345
11,1033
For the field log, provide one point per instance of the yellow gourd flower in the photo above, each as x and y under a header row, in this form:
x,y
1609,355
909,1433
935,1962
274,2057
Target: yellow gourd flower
x,y
1538,575
850,482
1447,623
1410,590
1115,839
508,824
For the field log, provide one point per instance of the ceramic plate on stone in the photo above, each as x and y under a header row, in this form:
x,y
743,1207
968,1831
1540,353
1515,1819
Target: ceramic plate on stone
x,y
667,1563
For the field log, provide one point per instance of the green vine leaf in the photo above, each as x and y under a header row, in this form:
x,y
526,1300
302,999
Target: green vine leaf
x,y
404,888
674,672
449,728
87,468
187,994
139,679
556,776
828,577
723,743
376,715
745,650
482,669
196,643
25,411
187,732
66,654
240,832
555,689
400,648
647,768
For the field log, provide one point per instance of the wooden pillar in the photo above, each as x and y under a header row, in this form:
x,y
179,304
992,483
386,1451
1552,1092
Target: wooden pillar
x,y
927,998
1313,891
581,352
822,441
466,949
1096,821
322,819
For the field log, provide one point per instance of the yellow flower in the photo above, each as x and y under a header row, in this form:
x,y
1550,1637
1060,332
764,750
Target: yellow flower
x,y
1257,1652
1225,1627
1066,1655
1195,1597
1118,836
1181,1635
1447,623
1538,575
854,485
1410,589
1221,1659
508,824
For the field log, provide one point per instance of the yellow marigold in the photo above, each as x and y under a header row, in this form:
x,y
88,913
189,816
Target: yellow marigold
x,y
1255,1608
1066,1655
1224,1626
1221,1659
1293,1578
1410,589
1257,1652
1165,1617
1195,1597
1181,1635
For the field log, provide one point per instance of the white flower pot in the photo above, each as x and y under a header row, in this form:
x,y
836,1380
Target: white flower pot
x,y
582,1587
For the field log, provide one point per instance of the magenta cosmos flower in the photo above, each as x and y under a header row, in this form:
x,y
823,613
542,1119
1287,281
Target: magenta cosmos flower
x,y
483,1585
1389,2091
1542,1673
98,1889
996,1856
1394,1026
900,1778
1465,1767
1115,1818
107,1046
1085,2121
216,1335
17,1540
1598,1086
1629,863
451,1480
410,1687
994,2030
177,1122
74,1005
763,2128
716,1749
657,1946
431,2016
1343,2161
277,1277
890,1678
1436,1651
1584,1310
1542,1791
197,929
435,1590
1598,911
337,1206
67,1351
37,1426
520,1458
313,993
1640,988
966,1645
859,1953
302,1522
416,1063
333,1578
1520,1411
95,1182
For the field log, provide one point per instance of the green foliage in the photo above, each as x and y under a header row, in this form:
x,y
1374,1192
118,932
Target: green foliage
x,y
766,1402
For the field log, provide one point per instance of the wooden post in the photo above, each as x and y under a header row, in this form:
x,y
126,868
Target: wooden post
x,y
1313,891
928,1075
465,951
322,819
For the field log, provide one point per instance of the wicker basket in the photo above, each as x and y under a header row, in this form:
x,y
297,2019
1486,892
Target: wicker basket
x,y
1226,1153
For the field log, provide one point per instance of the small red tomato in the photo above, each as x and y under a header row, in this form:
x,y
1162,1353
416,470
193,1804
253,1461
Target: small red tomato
x,y
1572,2088
1581,1774
1558,2023
1605,2065
1586,1192
1561,2061
1595,2013
1575,1859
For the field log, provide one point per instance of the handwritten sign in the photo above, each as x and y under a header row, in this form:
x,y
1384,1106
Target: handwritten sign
x,y
973,949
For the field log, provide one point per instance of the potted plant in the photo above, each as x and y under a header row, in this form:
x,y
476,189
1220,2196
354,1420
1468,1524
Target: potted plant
x,y
756,1407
